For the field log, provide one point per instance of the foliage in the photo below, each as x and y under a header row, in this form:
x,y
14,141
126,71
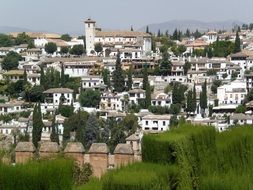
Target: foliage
x,y
165,64
37,125
237,47
77,50
75,123
130,124
11,61
178,93
240,109
66,110
186,67
148,95
118,76
106,77
39,175
34,94
50,47
222,48
215,85
145,77
130,78
203,96
98,47
66,37
82,174
23,38
5,40
91,131
64,50
89,98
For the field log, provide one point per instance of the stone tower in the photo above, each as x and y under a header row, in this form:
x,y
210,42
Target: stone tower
x,y
90,27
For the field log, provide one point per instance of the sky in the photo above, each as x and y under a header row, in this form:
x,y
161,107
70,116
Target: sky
x,y
63,16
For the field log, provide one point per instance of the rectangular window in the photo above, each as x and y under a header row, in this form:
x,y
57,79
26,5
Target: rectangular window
x,y
146,122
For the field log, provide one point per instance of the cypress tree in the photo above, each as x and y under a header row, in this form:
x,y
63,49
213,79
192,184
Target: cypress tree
x,y
237,43
203,97
145,78
25,76
148,95
91,131
80,129
54,137
189,107
129,79
118,76
62,76
106,77
194,99
159,33
42,77
37,125
147,30
132,28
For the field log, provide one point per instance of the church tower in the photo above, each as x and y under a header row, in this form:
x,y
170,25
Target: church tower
x,y
90,26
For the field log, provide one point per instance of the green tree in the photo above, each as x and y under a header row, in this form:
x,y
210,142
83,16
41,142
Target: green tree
x,y
203,97
54,136
145,77
186,67
147,30
106,77
117,136
215,85
98,48
129,78
178,93
194,98
62,76
42,77
66,110
34,94
234,75
11,61
190,106
77,50
91,131
118,76
64,50
66,37
130,124
165,65
5,40
23,38
75,123
174,121
148,95
37,125
240,109
50,47
237,47
90,98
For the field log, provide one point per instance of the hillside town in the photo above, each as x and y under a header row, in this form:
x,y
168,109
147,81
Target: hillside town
x,y
115,86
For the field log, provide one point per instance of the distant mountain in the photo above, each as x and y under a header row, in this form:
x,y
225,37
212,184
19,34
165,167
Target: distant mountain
x,y
192,25
8,29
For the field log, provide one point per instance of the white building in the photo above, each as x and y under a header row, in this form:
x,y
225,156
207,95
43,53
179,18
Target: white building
x,y
12,107
233,93
161,99
155,122
54,96
132,44
135,95
93,82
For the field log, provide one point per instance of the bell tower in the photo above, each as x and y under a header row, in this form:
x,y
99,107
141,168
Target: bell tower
x,y
90,27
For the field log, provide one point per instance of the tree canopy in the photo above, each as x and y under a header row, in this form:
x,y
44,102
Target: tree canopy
x,y
90,98
11,61
50,48
77,50
66,37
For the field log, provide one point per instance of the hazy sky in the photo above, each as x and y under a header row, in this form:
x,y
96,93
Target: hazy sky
x,y
68,15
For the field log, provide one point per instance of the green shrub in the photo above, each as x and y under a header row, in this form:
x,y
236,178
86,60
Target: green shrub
x,y
39,175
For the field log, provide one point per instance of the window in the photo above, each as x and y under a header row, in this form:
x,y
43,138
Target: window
x,y
146,122
164,123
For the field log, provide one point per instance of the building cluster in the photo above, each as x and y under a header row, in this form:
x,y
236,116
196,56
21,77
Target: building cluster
x,y
135,51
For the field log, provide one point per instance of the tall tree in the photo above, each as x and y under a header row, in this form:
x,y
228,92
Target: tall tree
x,y
145,77
37,125
189,106
91,131
148,95
237,43
77,50
54,136
80,128
98,48
132,28
194,98
188,33
106,77
129,78
165,64
159,33
118,76
90,98
25,76
62,75
42,76
147,30
203,98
